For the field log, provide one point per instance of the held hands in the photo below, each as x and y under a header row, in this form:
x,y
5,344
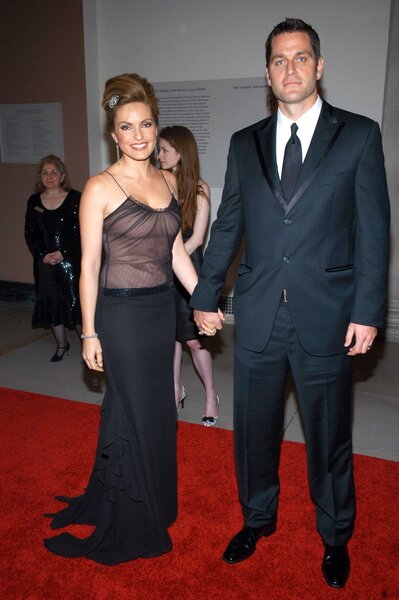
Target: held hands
x,y
208,322
363,337
53,258
92,354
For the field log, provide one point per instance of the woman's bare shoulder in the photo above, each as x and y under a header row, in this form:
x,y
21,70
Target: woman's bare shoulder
x,y
98,182
98,190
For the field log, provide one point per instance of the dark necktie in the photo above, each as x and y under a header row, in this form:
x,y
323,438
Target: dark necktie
x,y
292,163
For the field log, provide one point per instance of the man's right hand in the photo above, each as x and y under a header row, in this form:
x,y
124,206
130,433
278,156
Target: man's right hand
x,y
208,322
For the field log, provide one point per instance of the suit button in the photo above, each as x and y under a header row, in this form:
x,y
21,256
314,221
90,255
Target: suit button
x,y
287,221
286,259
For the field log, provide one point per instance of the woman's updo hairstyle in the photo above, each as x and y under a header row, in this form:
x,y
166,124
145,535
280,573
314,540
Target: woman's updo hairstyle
x,y
125,88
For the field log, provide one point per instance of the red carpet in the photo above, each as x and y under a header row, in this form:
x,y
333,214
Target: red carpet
x,y
47,448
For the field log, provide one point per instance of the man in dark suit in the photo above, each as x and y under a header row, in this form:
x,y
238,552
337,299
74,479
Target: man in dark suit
x,y
307,188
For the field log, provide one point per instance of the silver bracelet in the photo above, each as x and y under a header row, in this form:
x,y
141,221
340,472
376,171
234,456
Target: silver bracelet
x,y
88,337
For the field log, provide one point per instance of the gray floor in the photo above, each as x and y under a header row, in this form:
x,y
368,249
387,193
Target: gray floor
x,y
24,365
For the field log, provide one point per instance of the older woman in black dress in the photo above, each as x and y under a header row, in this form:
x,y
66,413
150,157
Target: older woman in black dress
x,y
52,234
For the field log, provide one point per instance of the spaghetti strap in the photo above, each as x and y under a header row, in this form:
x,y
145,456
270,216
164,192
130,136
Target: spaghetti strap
x,y
127,195
166,181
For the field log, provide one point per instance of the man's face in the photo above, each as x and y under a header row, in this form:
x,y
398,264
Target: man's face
x,y
293,71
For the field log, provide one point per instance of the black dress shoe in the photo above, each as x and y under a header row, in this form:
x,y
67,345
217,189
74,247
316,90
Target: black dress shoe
x,y
243,545
336,565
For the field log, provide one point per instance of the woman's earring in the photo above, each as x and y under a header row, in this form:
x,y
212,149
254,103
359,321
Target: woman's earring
x,y
117,153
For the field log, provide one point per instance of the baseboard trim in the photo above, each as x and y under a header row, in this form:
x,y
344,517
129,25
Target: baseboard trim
x,y
14,291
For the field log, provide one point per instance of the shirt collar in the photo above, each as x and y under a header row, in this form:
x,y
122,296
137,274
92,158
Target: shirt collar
x,y
309,118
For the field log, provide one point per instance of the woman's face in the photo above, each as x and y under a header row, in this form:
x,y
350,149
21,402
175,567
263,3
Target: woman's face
x,y
51,177
135,130
168,156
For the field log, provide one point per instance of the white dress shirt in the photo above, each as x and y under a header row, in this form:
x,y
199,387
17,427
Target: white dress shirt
x,y
306,126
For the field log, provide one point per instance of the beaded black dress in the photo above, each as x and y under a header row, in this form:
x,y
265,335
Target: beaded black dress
x,y
131,497
57,297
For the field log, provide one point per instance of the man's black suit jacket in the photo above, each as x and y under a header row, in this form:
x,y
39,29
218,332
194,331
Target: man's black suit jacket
x,y
328,247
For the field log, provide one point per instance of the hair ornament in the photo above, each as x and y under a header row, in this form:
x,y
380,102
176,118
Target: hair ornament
x,y
114,101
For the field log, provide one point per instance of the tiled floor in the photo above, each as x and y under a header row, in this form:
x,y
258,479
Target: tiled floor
x,y
376,401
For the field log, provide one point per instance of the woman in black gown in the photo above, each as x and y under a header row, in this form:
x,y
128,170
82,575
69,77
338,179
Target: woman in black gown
x,y
52,234
131,207
179,153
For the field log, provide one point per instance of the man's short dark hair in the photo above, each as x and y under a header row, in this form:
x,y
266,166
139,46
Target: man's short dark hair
x,y
289,26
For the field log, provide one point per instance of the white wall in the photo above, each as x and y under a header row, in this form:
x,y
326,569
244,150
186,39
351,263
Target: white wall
x,y
172,40
184,40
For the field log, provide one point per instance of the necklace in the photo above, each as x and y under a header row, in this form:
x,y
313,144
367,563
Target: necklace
x,y
56,193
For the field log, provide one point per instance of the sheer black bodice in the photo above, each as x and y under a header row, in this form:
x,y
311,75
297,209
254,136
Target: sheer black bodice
x,y
138,244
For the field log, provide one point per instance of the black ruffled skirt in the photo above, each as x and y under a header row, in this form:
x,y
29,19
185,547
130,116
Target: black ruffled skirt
x,y
131,497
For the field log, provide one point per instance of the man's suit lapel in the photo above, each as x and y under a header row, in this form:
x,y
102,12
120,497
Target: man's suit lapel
x,y
326,133
265,143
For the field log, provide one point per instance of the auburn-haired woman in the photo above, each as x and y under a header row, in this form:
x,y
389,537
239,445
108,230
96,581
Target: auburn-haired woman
x,y
179,153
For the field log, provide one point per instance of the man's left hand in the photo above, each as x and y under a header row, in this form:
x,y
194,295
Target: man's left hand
x,y
362,335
